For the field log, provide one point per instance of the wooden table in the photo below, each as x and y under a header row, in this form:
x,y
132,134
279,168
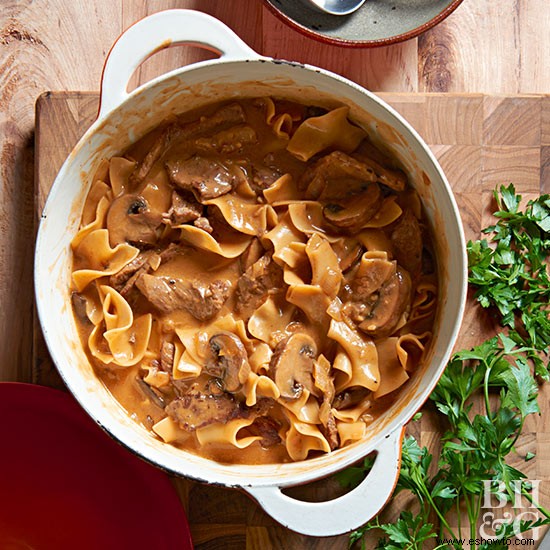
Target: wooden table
x,y
484,47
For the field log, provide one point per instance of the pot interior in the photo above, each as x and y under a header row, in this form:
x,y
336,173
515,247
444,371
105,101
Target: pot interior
x,y
191,88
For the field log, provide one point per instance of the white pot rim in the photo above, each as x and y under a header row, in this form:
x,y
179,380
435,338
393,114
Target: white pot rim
x,y
52,261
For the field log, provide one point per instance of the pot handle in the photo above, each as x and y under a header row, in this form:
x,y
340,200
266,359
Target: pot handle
x,y
159,31
343,514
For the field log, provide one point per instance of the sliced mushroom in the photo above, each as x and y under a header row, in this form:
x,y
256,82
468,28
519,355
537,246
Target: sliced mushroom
x,y
130,220
154,395
79,308
372,273
291,365
350,397
228,361
349,252
393,298
354,212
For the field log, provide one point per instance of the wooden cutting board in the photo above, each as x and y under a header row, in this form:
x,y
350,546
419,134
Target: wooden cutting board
x,y
481,141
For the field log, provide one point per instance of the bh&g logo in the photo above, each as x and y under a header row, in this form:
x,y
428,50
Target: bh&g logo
x,y
495,496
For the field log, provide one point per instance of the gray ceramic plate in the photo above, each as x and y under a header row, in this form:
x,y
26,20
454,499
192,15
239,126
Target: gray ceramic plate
x,y
376,23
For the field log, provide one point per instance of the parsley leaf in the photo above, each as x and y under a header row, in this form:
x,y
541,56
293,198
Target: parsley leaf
x,y
510,274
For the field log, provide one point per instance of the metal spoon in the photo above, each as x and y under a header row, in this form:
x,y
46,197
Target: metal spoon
x,y
337,7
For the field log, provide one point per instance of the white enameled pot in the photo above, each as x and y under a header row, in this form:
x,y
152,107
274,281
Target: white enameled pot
x,y
123,118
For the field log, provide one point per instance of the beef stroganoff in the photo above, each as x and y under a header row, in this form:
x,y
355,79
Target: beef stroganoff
x,y
254,281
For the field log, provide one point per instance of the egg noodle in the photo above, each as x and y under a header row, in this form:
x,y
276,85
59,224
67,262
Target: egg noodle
x,y
254,281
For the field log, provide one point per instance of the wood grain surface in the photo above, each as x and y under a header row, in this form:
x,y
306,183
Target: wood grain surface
x,y
483,47
480,141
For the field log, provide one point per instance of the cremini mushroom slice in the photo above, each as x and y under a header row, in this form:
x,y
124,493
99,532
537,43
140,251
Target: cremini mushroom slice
x,y
350,397
151,393
292,363
228,360
349,251
130,220
373,271
351,214
393,298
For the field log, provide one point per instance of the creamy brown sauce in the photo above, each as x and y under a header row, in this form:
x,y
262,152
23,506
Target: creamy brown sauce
x,y
245,317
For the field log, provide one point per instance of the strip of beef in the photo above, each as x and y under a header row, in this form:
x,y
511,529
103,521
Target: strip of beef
x,y
199,406
336,176
167,294
143,168
182,210
256,283
120,278
227,141
204,224
196,409
268,429
226,116
206,178
263,177
330,431
170,252
145,262
406,239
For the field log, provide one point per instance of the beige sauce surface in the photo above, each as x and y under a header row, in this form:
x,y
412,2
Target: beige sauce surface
x,y
254,281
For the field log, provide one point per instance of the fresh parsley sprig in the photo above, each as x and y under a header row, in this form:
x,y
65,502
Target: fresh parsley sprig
x,y
475,446
510,273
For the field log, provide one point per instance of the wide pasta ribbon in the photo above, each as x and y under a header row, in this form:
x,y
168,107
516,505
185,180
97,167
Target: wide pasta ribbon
x,y
227,433
260,386
120,339
169,431
392,373
247,217
119,173
349,432
95,253
231,248
270,319
362,353
302,438
332,130
282,192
